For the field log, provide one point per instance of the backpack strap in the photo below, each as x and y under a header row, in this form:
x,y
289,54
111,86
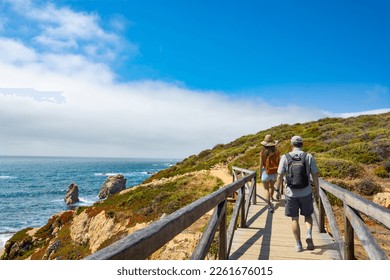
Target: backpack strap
x,y
306,165
288,157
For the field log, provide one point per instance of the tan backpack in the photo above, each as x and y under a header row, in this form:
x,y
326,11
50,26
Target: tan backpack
x,y
271,163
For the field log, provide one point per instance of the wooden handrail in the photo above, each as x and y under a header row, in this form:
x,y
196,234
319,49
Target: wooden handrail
x,y
353,223
142,243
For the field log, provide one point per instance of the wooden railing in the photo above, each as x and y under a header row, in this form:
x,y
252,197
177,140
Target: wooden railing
x,y
353,222
142,243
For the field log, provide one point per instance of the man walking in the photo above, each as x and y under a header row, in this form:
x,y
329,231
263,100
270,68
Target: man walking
x,y
298,166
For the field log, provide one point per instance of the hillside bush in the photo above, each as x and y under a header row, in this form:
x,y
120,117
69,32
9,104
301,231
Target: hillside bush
x,y
386,165
367,187
382,150
381,172
249,160
338,168
358,152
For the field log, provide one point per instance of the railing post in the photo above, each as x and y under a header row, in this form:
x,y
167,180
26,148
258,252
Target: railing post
x,y
242,208
222,235
349,246
321,218
254,195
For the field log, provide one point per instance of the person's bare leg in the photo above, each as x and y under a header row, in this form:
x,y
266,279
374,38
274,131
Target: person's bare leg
x,y
309,229
266,192
271,189
267,196
297,233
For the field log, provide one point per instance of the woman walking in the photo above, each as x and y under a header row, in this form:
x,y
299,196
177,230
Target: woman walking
x,y
269,162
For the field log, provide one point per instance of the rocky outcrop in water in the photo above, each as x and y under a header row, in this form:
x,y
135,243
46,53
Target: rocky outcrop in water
x,y
72,194
113,185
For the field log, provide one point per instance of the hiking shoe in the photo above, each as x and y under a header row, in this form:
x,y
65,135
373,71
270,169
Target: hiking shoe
x,y
299,248
271,207
310,244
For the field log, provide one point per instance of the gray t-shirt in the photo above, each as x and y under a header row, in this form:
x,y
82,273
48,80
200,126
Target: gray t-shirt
x,y
311,167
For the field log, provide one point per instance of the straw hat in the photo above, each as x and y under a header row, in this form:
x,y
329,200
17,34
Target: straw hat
x,y
268,141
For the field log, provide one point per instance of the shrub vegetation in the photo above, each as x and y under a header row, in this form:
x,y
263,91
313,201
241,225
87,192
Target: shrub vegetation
x,y
345,149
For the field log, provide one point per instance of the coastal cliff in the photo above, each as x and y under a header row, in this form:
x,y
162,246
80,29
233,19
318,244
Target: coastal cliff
x,y
353,153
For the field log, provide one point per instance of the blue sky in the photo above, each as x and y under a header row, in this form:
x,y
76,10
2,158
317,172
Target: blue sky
x,y
246,47
176,77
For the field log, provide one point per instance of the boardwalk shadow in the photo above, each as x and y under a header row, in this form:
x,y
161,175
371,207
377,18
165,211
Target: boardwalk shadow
x,y
256,242
263,234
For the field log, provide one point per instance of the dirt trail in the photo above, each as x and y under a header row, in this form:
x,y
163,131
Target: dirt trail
x,y
222,173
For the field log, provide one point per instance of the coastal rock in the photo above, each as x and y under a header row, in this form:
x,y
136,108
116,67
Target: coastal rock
x,y
382,199
113,185
72,194
94,231
52,249
13,249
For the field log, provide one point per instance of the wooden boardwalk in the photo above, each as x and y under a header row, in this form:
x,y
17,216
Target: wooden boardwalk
x,y
269,236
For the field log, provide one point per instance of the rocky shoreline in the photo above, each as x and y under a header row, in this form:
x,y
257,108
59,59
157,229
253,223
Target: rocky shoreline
x,y
83,230
113,184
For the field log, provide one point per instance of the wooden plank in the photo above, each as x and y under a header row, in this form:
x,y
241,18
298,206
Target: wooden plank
x,y
233,223
369,243
242,208
357,202
349,237
222,250
269,236
281,252
332,223
207,238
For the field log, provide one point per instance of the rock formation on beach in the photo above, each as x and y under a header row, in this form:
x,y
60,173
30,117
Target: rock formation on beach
x,y
113,185
72,194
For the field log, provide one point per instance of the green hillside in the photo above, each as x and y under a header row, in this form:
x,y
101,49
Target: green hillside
x,y
345,148
354,152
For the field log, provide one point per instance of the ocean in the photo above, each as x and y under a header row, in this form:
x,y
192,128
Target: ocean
x,y
32,189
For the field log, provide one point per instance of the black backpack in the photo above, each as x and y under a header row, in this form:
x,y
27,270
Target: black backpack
x,y
296,176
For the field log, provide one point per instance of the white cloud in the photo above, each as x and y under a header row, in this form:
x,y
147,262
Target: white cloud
x,y
355,114
104,118
62,30
15,52
97,115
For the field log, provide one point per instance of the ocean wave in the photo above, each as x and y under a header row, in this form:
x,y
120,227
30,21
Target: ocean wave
x,y
129,174
82,201
20,194
8,230
4,177
86,201
4,237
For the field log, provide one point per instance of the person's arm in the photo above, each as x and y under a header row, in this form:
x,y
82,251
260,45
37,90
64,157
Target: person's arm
x,y
314,175
279,178
279,186
316,185
261,163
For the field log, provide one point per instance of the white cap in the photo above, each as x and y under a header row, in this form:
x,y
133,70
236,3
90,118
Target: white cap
x,y
296,140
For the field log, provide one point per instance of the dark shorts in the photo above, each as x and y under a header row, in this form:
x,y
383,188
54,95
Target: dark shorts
x,y
293,204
